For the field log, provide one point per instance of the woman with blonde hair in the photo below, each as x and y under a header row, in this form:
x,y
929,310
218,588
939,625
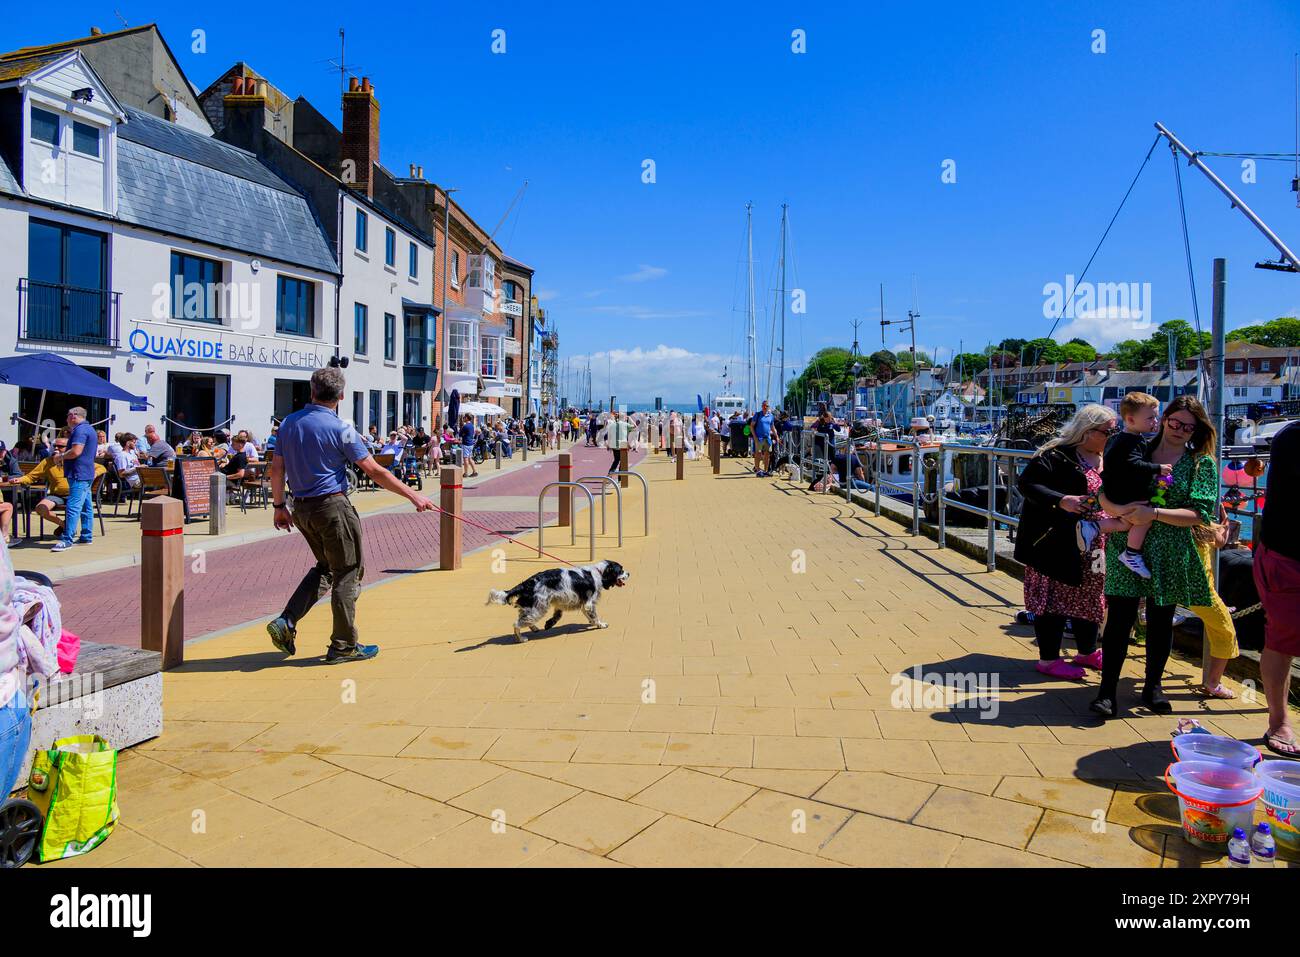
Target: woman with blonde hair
x,y
1064,576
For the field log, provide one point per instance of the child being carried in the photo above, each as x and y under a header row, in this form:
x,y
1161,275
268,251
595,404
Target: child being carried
x,y
1127,474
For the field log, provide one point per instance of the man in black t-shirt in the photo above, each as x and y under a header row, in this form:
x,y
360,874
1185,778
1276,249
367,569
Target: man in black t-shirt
x,y
1277,576
236,462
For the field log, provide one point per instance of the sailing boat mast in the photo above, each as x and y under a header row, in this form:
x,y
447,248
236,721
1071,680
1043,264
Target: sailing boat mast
x,y
785,207
751,357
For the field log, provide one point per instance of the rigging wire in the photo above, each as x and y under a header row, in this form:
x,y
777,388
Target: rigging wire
x,y
1203,360
1065,305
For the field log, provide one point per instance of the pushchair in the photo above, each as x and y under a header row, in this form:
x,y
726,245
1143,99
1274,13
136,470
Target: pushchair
x,y
407,468
20,820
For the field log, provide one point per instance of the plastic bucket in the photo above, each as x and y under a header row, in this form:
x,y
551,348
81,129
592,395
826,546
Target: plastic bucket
x,y
1215,749
1281,780
1213,799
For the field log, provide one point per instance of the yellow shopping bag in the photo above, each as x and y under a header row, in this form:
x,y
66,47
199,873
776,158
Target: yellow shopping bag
x,y
74,784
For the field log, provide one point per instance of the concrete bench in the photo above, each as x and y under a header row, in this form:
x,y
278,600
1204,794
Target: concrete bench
x,y
115,692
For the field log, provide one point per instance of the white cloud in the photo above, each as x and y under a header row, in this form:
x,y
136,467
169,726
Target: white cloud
x,y
1105,327
644,273
544,294
638,375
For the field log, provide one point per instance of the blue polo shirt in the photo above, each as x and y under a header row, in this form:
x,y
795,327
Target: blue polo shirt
x,y
762,426
82,468
316,447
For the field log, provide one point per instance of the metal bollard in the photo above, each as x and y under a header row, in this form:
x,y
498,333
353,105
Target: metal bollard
x,y
217,503
993,503
449,531
566,494
162,579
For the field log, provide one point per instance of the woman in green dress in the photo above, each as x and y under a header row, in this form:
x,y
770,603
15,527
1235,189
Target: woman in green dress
x,y
1186,441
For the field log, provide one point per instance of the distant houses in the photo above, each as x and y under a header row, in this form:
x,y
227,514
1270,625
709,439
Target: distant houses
x,y
1255,374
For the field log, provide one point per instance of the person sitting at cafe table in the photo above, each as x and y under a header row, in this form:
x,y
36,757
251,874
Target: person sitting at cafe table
x,y
236,464
250,447
207,448
9,469
49,473
157,450
127,460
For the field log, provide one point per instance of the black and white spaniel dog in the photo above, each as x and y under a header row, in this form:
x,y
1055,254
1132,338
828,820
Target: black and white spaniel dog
x,y
561,589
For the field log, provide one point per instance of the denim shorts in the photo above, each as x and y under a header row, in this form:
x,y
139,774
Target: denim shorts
x,y
15,739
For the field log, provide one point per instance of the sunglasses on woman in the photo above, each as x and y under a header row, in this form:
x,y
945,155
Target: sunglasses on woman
x,y
1177,426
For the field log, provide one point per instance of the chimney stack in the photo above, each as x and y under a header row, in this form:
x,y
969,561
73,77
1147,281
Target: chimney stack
x,y
360,136
96,32
244,112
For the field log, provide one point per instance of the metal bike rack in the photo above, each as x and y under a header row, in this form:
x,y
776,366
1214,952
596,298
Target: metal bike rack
x,y
618,498
645,497
573,526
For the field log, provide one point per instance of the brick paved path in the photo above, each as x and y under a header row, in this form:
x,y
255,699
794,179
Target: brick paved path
x,y
248,582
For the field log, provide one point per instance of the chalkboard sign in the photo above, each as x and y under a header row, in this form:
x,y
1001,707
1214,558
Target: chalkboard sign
x,y
192,484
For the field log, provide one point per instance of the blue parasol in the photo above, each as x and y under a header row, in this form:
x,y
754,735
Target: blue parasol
x,y
453,408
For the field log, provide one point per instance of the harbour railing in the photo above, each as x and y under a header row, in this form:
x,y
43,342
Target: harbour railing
x,y
989,512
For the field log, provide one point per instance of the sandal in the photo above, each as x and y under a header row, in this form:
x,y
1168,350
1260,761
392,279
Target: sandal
x,y
1218,691
1279,745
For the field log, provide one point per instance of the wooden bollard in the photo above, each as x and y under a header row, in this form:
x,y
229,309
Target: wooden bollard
x,y
622,466
217,503
715,452
449,535
162,579
566,493
681,463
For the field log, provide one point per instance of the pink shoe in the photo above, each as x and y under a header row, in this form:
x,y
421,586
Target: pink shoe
x,y
1092,661
1061,669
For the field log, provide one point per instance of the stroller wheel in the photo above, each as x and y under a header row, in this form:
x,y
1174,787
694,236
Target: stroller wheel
x,y
20,828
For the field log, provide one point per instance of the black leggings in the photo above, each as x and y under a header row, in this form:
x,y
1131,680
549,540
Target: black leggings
x,y
1048,629
1120,618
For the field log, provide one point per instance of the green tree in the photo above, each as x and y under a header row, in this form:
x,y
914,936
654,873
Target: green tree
x,y
1077,351
1042,350
970,363
905,360
1130,355
1012,345
1188,343
1283,332
882,364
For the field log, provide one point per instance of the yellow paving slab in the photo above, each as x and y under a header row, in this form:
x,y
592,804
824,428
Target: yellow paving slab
x,y
736,713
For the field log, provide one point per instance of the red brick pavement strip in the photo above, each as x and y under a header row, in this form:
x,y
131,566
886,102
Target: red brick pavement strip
x,y
248,582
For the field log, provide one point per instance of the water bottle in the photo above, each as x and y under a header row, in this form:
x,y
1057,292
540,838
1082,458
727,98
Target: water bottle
x,y
1262,846
1238,849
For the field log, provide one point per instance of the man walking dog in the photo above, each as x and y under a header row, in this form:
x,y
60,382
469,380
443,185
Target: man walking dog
x,y
313,450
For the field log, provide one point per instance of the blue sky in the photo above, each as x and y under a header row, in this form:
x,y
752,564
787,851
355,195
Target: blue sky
x,y
853,134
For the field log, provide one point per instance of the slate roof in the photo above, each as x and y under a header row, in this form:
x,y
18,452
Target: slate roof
x,y
188,184
16,66
8,180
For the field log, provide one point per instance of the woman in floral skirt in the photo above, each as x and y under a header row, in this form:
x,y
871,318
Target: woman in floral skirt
x,y
1064,567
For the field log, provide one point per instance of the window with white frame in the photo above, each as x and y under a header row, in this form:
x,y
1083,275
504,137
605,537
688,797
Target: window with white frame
x,y
1268,392
460,346
490,357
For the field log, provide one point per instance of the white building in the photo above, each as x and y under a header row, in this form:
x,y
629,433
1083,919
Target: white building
x,y
388,320
176,266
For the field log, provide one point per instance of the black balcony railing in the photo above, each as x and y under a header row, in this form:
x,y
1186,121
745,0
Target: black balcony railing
x,y
51,312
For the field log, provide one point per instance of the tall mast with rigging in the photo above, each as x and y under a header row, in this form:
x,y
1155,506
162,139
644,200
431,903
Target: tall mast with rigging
x,y
751,356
